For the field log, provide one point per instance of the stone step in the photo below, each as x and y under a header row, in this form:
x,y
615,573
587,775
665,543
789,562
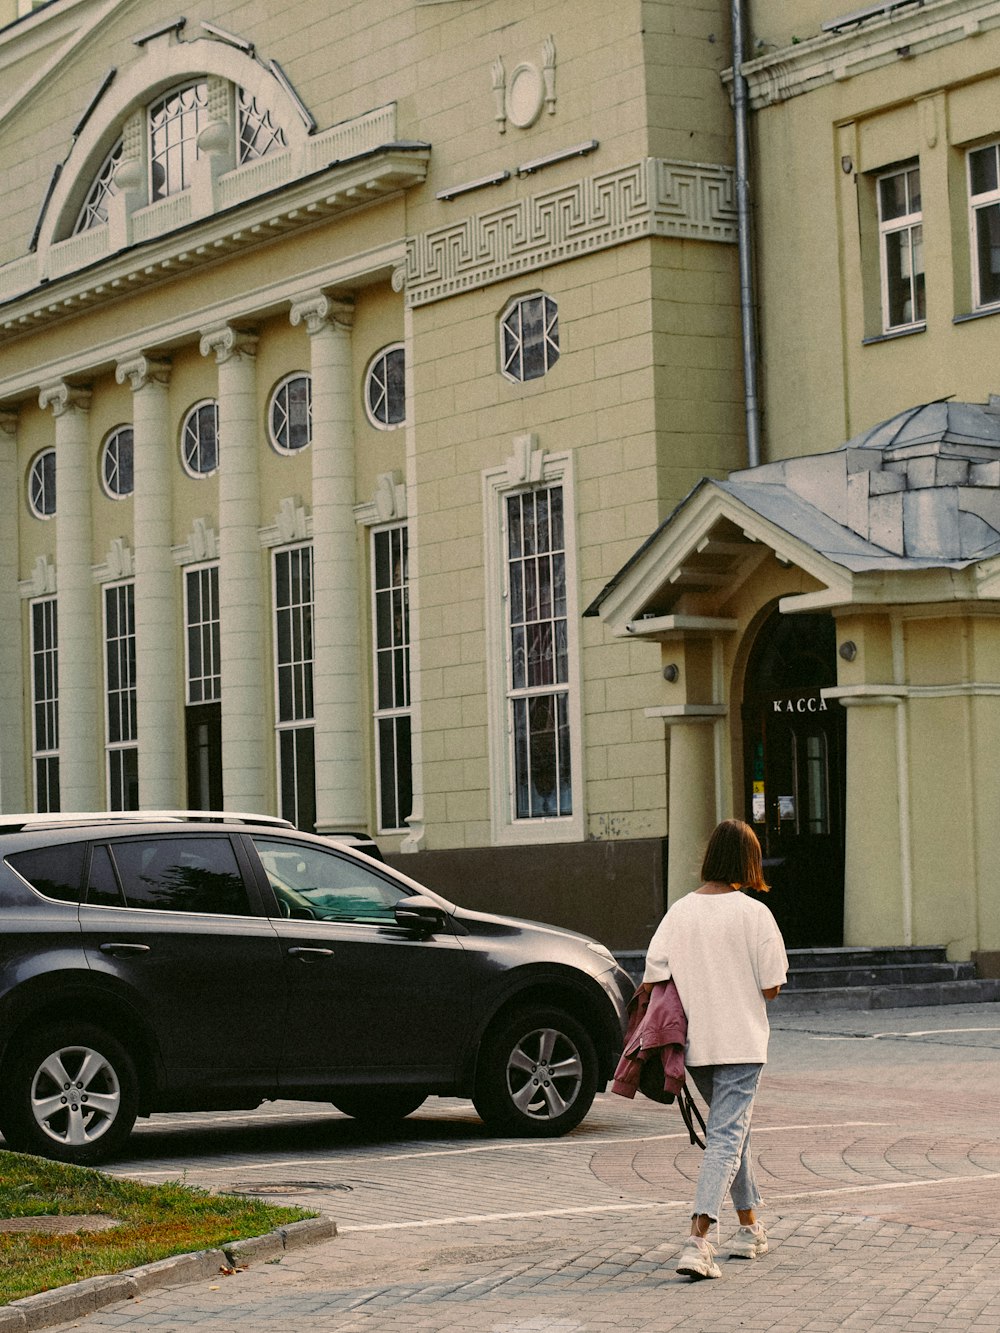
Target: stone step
x,y
896,974
865,956
979,991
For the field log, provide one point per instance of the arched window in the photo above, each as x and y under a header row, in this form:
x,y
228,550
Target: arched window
x,y
200,439
258,134
42,484
529,338
385,388
94,212
116,463
289,415
175,122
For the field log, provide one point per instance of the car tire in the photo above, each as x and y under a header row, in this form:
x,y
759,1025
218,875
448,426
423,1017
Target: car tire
x,y
40,1116
537,1074
378,1106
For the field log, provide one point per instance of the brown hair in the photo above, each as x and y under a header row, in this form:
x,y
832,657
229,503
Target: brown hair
x,y
733,857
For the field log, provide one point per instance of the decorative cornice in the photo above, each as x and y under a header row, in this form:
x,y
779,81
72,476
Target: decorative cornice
x,y
63,397
291,524
118,563
42,580
875,44
141,370
654,197
226,343
201,546
8,422
319,312
388,501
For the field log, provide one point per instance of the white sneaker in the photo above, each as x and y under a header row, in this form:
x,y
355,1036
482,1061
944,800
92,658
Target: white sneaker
x,y
697,1259
749,1242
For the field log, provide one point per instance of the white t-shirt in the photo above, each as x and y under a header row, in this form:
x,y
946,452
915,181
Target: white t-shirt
x,y
722,950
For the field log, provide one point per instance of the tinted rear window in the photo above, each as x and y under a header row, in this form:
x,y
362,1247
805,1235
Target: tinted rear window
x,y
55,871
182,875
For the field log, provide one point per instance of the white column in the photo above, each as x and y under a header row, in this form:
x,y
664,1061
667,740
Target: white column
x,y
243,622
12,756
692,812
157,709
340,717
81,704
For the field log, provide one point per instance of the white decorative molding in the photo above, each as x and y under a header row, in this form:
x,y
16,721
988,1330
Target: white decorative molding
x,y
388,501
526,462
653,197
63,397
319,310
227,342
872,45
202,545
118,563
498,77
41,582
291,524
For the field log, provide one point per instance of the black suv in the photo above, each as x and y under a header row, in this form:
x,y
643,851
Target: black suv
x,y
171,961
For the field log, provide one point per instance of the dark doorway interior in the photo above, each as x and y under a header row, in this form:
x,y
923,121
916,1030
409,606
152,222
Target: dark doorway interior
x,y
203,725
794,751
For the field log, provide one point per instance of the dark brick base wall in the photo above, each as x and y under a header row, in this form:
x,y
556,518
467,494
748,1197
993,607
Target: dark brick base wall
x,y
614,891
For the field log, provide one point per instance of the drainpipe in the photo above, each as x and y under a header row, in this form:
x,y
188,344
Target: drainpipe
x,y
745,240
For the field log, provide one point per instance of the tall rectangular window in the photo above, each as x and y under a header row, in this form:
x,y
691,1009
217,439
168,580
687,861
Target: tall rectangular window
x,y
984,204
204,681
119,644
293,656
391,649
901,248
45,703
538,654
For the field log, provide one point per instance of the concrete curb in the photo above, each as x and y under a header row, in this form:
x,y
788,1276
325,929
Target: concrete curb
x,y
94,1293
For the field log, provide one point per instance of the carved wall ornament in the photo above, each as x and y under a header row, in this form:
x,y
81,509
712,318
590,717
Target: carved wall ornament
x,y
526,462
118,563
531,86
142,370
227,342
63,397
319,311
42,580
202,544
291,524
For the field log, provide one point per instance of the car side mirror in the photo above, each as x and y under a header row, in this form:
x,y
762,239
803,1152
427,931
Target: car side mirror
x,y
420,914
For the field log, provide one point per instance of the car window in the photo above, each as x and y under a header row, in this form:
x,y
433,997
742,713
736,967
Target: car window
x,y
57,871
103,889
311,883
182,875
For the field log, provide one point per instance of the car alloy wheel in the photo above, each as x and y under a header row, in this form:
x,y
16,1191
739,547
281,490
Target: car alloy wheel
x,y
72,1094
537,1073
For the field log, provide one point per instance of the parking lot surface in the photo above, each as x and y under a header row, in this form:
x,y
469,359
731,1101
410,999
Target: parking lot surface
x,y
878,1154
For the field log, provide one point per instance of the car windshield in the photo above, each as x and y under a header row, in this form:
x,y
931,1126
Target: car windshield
x,y
310,883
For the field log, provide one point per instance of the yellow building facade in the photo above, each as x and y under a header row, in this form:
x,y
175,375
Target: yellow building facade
x,y
829,620
345,354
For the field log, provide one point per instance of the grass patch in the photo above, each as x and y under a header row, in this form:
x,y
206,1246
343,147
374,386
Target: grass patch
x,y
157,1221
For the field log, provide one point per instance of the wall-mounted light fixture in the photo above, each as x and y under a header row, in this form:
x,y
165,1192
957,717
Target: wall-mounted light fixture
x,y
672,672
848,650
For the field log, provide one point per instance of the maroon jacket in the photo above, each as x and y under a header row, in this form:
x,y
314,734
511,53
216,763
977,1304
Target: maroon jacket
x,y
657,1030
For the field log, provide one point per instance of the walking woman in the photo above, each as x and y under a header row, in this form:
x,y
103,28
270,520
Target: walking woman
x,y
726,956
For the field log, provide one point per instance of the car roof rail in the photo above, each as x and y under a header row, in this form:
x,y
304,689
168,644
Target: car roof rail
x,y
81,818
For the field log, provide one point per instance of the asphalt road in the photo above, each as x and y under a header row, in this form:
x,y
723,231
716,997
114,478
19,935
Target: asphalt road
x,y
878,1149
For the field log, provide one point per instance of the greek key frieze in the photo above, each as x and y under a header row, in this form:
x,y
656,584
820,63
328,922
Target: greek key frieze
x,y
649,198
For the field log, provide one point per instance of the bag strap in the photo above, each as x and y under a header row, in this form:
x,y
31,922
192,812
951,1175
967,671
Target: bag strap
x,y
690,1113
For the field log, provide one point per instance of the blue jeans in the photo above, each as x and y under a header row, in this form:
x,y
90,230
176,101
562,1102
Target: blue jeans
x,y
727,1163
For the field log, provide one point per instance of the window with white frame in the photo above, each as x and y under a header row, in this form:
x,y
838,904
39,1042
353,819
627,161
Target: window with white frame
x,y
200,439
203,655
117,474
901,250
529,337
120,698
289,415
385,388
984,205
45,703
391,653
293,657
533,659
42,484
94,212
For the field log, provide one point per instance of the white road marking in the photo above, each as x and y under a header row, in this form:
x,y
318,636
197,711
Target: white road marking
x,y
518,1145
891,1185
517,1217
876,1036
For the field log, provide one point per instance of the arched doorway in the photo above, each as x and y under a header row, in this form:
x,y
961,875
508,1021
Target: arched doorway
x,y
794,752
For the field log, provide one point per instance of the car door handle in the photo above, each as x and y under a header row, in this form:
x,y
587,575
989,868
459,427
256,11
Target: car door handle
x,y
307,954
122,950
